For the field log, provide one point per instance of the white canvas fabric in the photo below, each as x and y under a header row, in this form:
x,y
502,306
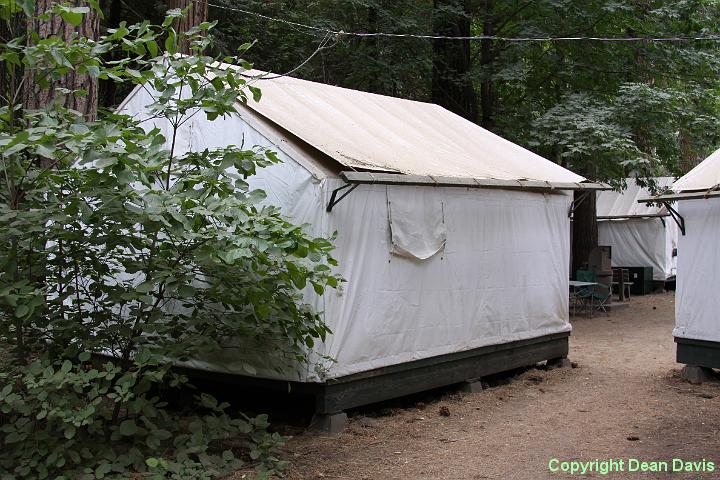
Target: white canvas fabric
x,y
501,277
637,238
624,204
698,271
705,176
417,222
482,266
641,242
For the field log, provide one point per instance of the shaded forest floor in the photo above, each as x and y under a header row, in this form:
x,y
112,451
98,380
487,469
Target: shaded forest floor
x,y
624,400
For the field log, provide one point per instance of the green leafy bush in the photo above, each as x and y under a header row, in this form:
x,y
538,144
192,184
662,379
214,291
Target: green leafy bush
x,y
118,254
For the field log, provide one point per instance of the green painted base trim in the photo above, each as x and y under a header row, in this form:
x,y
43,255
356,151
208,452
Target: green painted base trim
x,y
338,394
701,353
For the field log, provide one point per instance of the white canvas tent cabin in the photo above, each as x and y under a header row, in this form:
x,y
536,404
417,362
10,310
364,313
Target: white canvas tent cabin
x,y
640,235
454,242
697,325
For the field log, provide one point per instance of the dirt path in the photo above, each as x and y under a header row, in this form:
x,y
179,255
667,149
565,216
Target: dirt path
x,y
626,386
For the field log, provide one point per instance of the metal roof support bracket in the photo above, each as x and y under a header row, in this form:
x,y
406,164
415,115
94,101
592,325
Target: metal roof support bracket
x,y
679,219
577,202
334,200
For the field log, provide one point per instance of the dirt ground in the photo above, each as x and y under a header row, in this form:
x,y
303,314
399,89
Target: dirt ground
x,y
624,400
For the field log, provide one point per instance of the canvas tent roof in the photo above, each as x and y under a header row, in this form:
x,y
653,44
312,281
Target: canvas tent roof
x,y
612,204
703,181
370,132
705,176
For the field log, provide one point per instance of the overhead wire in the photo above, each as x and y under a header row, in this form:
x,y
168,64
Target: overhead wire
x,y
340,33
269,76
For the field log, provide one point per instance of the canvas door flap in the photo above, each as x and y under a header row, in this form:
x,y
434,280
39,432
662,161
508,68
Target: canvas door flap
x,y
417,221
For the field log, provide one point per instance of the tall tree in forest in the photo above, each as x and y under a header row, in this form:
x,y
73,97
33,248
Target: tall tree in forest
x,y
197,13
584,229
12,25
487,55
451,86
394,66
77,91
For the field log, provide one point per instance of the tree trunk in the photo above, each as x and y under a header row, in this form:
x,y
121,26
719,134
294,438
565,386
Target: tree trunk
x,y
584,230
109,88
487,56
197,14
10,75
373,82
84,90
452,61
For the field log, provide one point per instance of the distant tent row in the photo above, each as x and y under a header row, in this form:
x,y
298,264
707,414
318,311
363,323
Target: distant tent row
x,y
640,235
454,242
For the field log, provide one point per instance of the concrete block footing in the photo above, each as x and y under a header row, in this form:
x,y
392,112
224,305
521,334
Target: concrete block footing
x,y
329,422
695,374
472,386
562,362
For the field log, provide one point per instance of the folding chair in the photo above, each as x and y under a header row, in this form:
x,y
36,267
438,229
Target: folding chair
x,y
600,295
595,296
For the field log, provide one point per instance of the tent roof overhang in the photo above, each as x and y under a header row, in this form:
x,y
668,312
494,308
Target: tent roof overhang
x,y
353,179
380,178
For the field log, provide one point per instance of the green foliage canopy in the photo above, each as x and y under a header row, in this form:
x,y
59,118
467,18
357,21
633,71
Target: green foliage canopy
x,y
115,244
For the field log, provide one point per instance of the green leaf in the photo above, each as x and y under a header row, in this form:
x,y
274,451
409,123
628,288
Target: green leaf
x,y
299,279
74,16
28,6
262,310
171,15
65,367
171,42
145,287
153,48
69,432
103,469
93,71
152,462
208,400
186,291
128,428
256,93
106,162
22,310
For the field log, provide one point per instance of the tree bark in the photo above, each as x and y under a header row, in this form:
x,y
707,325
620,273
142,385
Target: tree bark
x,y
197,14
11,76
584,231
487,57
452,61
84,90
108,89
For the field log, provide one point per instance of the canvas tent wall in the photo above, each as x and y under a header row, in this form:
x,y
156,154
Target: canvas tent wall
x,y
697,329
454,241
640,235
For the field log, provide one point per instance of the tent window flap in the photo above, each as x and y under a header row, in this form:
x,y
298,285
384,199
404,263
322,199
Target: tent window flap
x,y
417,223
